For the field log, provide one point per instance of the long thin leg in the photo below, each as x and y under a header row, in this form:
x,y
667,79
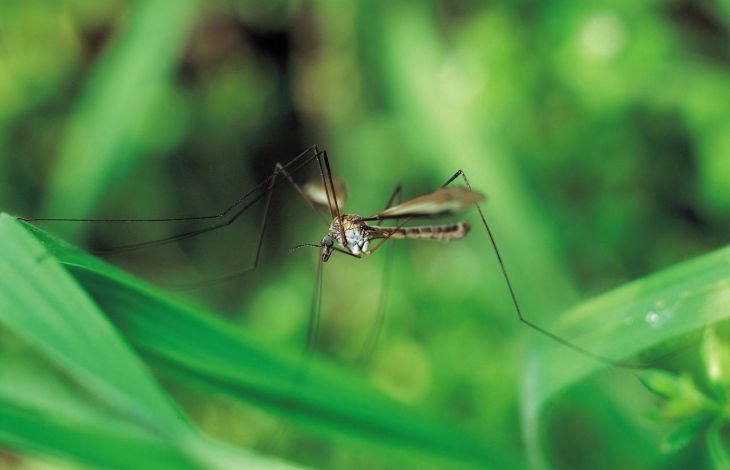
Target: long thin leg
x,y
387,237
301,193
330,206
271,183
395,195
315,309
263,184
278,168
515,303
259,243
371,341
336,209
329,187
298,379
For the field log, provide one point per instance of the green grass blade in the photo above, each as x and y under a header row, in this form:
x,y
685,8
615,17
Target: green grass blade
x,y
104,442
107,405
640,315
30,431
42,412
42,304
194,345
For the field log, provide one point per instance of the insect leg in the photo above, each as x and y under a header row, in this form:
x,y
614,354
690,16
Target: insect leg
x,y
371,341
334,205
315,309
278,169
329,187
242,204
395,196
286,174
513,295
294,162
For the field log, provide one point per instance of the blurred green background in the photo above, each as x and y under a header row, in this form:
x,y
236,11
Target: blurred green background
x,y
599,131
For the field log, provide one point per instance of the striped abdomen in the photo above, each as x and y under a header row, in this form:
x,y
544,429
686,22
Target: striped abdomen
x,y
443,232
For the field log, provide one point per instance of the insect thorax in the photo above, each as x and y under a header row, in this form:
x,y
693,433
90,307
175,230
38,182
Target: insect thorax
x,y
356,234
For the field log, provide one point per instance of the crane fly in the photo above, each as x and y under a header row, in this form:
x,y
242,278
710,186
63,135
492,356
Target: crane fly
x,y
348,234
351,234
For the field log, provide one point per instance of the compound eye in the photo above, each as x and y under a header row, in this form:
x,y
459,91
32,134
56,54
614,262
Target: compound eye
x,y
327,241
326,252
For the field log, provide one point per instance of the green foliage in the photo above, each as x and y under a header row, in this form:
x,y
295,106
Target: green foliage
x,y
110,412
640,316
597,130
634,318
56,318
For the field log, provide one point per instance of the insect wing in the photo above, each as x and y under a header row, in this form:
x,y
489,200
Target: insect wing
x,y
443,201
316,193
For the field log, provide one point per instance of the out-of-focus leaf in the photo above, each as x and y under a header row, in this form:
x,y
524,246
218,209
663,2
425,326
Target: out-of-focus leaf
x,y
456,134
43,305
716,355
189,343
716,446
680,437
127,83
106,446
621,323
115,415
663,383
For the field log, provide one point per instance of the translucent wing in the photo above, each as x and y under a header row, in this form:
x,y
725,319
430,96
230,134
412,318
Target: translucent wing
x,y
315,191
443,201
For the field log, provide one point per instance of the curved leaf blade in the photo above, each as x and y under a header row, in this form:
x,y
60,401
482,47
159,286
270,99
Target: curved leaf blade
x,y
622,323
189,342
42,304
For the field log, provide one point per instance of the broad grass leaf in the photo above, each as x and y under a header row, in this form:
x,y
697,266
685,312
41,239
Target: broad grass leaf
x,y
44,306
81,392
191,344
635,317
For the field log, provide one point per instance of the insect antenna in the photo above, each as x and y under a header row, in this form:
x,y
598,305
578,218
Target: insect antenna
x,y
304,245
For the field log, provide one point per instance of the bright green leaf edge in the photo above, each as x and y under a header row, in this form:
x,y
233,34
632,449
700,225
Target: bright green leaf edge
x,y
97,446
108,403
622,323
42,305
188,342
